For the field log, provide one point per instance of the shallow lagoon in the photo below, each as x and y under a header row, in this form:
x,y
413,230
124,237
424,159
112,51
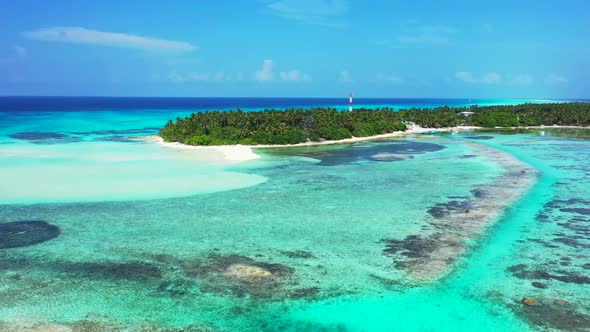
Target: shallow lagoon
x,y
163,251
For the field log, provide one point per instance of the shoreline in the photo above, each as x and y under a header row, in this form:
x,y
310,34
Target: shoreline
x,y
241,153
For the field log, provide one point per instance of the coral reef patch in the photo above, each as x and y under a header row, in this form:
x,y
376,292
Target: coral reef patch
x,y
459,220
26,233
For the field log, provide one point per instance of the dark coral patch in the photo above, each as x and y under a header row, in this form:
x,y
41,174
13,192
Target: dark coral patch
x,y
478,192
542,217
563,316
135,271
235,276
577,225
45,138
298,254
220,263
391,157
480,137
539,284
569,241
35,136
582,211
521,271
222,274
415,252
515,268
557,203
442,210
381,152
26,233
546,244
304,292
412,246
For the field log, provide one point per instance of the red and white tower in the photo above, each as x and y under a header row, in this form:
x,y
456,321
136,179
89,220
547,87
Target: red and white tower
x,y
350,103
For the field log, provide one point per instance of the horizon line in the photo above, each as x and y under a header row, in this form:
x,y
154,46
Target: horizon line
x,y
262,97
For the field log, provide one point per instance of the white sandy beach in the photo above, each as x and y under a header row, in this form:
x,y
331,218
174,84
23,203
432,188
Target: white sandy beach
x,y
240,153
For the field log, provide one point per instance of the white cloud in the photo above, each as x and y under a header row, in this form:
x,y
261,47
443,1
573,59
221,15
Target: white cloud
x,y
265,73
20,51
425,34
79,35
223,76
465,76
294,76
218,76
345,77
489,78
555,79
178,77
414,34
319,12
520,79
390,78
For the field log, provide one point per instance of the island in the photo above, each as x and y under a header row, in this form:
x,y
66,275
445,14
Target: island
x,y
296,126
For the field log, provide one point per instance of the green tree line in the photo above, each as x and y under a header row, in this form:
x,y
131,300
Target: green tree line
x,y
301,125
572,114
279,127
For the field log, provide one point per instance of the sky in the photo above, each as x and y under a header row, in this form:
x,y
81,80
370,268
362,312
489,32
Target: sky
x,y
296,48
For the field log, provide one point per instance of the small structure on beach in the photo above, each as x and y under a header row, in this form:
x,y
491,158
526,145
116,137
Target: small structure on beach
x,y
466,113
411,125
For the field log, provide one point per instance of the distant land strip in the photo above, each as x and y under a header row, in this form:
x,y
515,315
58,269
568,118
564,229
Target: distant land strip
x,y
296,125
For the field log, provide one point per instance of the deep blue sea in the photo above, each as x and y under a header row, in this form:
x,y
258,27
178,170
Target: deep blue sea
x,y
153,103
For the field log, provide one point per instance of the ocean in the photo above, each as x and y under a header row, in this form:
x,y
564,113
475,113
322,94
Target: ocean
x,y
63,104
102,230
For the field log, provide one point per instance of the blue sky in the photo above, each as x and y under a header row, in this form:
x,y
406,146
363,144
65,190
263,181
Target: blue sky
x,y
296,48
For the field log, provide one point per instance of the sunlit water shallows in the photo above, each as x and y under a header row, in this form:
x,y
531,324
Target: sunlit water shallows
x,y
100,232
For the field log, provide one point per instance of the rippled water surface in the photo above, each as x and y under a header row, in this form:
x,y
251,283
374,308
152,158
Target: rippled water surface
x,y
434,232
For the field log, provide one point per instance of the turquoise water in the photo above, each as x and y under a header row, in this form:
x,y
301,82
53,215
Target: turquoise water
x,y
432,233
483,293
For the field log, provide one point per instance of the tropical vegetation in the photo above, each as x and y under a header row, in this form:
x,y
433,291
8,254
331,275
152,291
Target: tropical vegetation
x,y
293,126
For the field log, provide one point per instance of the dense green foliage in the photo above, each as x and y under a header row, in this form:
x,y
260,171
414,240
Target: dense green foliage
x,y
574,114
300,125
279,127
